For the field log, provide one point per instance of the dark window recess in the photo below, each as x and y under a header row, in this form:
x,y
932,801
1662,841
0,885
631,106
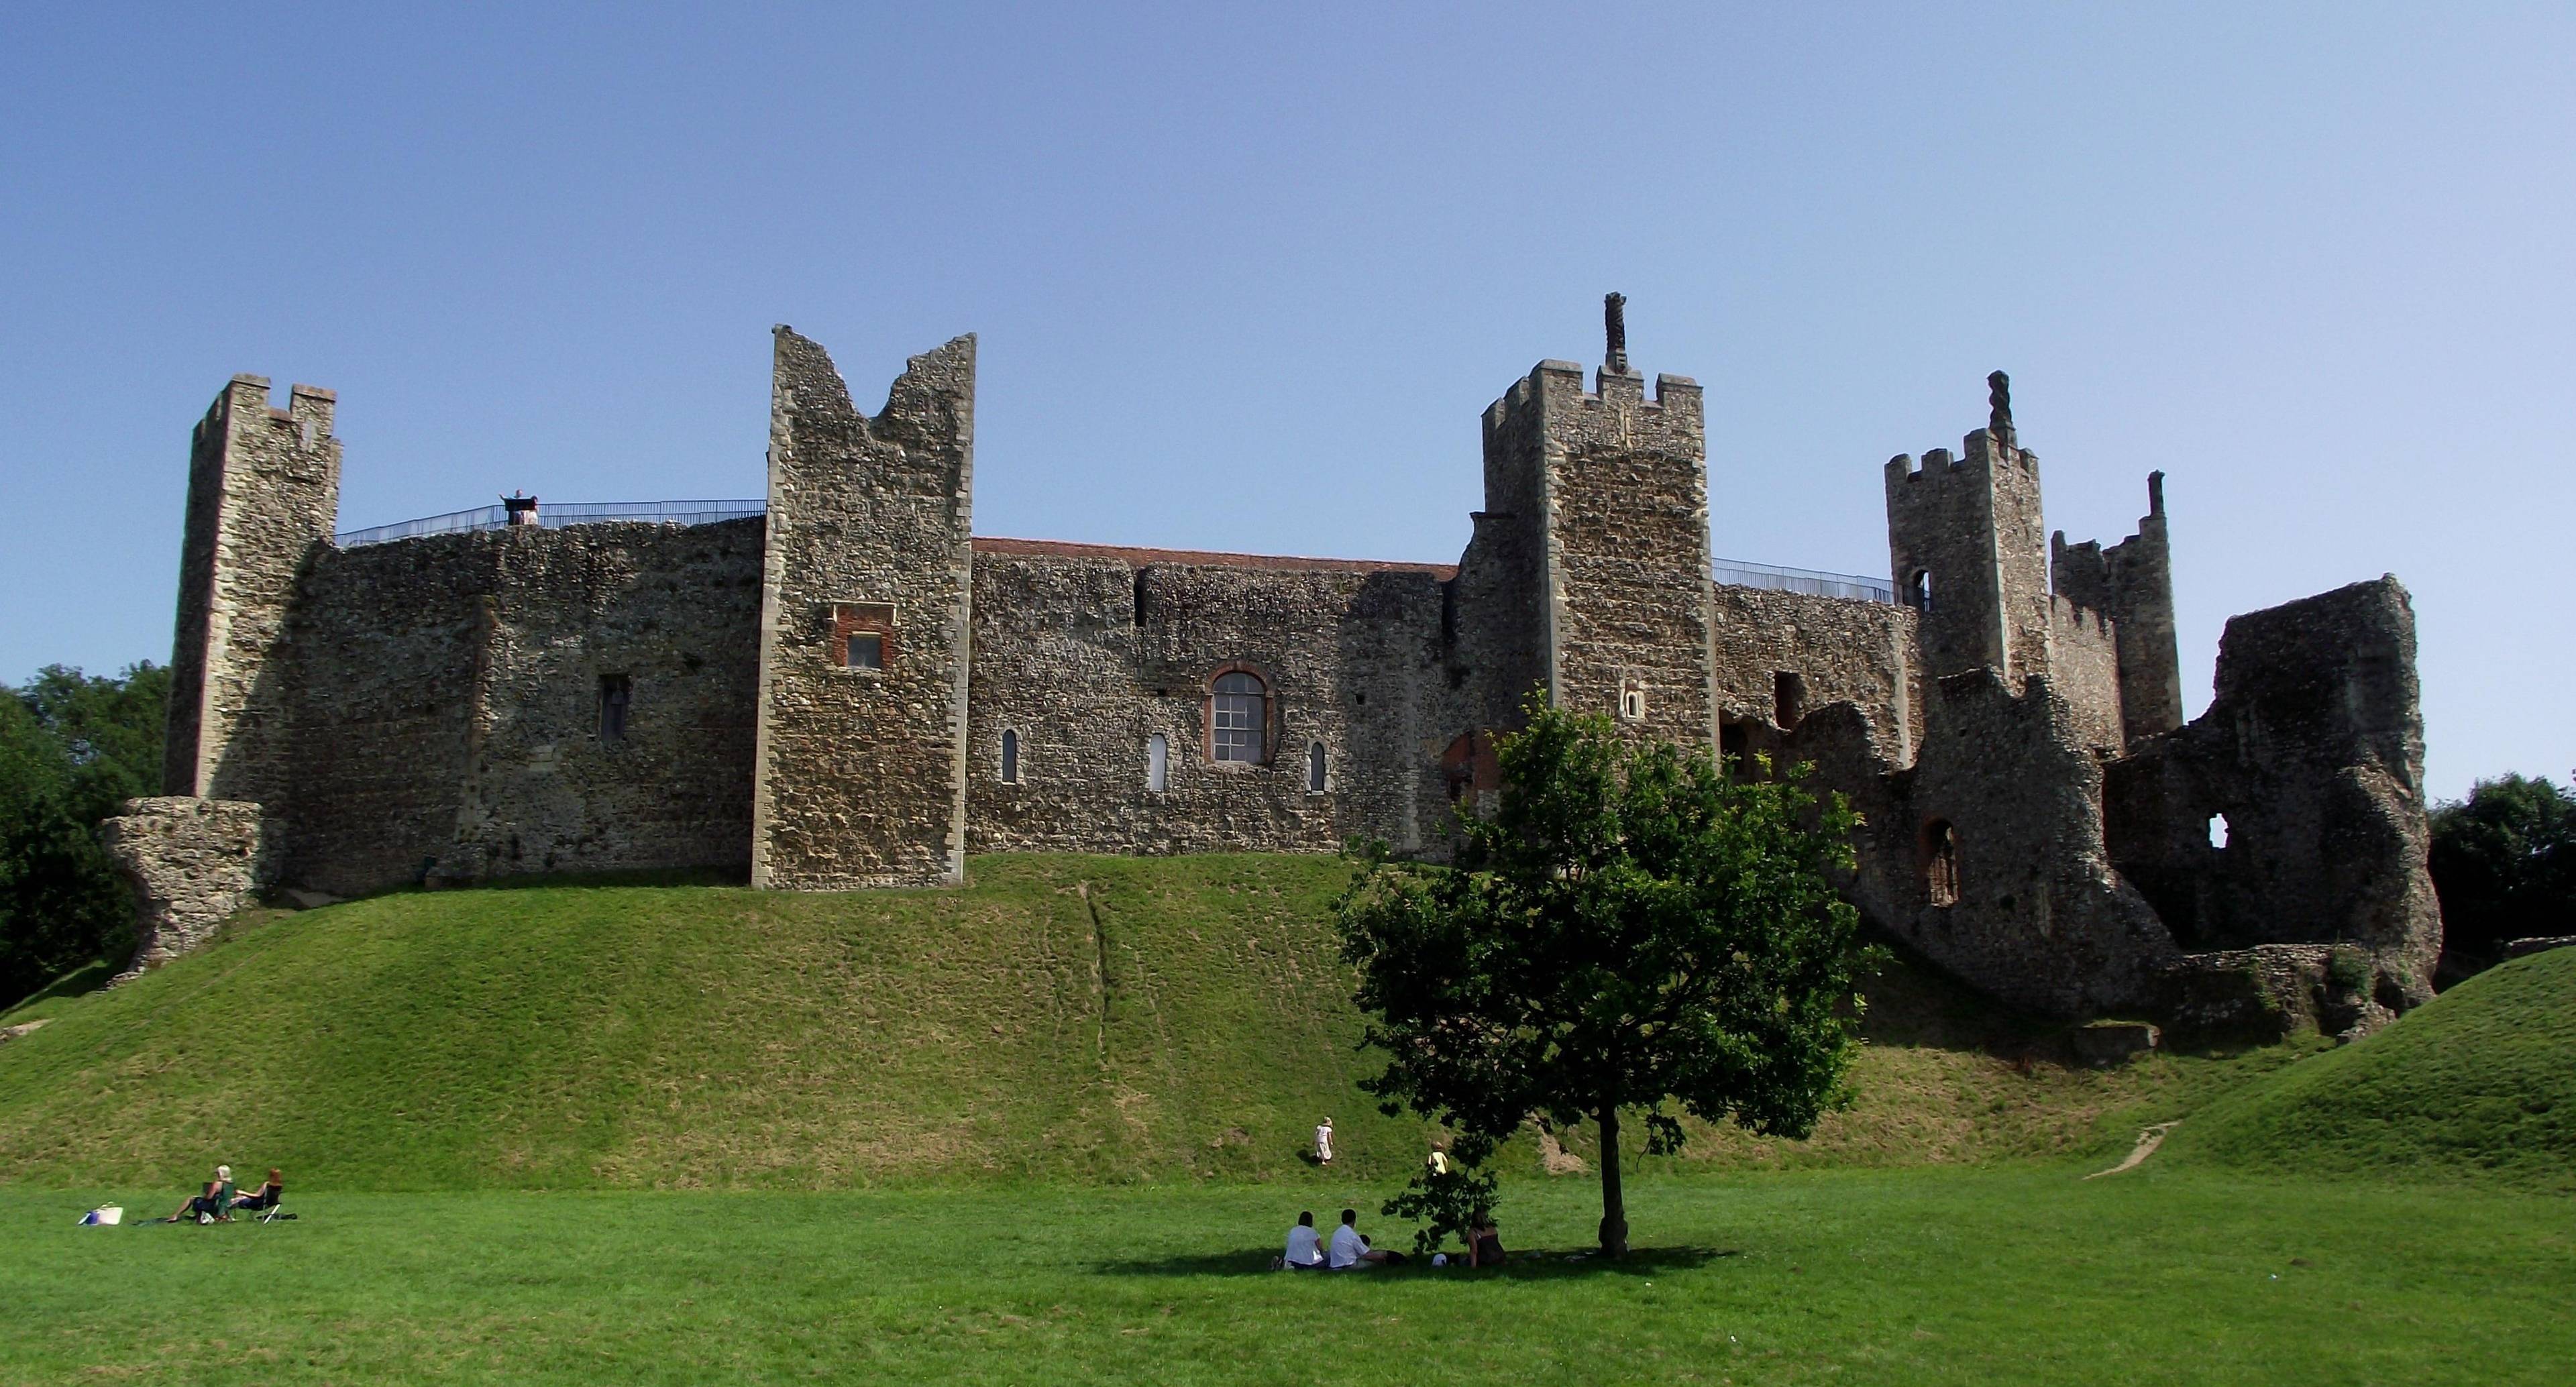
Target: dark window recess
x,y
1918,590
1941,863
1734,741
1236,716
1788,698
866,652
1010,757
1314,768
616,694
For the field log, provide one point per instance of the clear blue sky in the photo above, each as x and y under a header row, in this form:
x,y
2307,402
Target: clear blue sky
x,y
1245,277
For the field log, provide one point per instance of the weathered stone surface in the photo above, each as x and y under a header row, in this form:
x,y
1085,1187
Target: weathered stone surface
x,y
9,1033
616,696
2110,1044
2537,944
191,863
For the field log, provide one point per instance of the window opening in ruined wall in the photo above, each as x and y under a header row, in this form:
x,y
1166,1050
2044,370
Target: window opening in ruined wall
x,y
616,693
1632,700
862,634
1314,768
1941,863
1158,763
1918,591
1788,698
1237,716
2218,830
1010,757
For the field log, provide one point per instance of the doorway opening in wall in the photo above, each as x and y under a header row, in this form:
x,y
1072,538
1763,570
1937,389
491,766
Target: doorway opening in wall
x,y
1732,744
2218,830
1788,698
1010,757
1158,763
616,694
1940,863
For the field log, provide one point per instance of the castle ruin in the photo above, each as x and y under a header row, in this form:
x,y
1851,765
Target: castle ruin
x,y
844,686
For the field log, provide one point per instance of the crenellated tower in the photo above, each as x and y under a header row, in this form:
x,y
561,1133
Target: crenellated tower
x,y
263,494
1593,545
2132,584
1965,538
859,771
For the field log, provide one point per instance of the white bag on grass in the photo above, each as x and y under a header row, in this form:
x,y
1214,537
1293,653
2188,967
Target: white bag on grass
x,y
104,1216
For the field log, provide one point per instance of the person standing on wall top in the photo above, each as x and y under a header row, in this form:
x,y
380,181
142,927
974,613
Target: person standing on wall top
x,y
1324,1143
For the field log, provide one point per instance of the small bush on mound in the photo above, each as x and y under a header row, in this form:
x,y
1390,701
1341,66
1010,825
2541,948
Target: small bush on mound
x,y
2481,1083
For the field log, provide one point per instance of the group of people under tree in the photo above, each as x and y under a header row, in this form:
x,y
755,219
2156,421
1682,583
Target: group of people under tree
x,y
1349,1250
218,1200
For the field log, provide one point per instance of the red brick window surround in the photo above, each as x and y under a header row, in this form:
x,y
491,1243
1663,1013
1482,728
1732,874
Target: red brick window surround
x,y
863,636
1237,716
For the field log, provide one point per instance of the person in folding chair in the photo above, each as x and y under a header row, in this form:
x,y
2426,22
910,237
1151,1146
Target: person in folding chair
x,y
214,1203
263,1201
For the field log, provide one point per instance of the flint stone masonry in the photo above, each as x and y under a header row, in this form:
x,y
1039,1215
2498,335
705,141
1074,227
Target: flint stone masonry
x,y
191,863
819,698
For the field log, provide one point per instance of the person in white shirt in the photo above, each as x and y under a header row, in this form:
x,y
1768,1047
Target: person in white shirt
x,y
1349,1249
1324,1143
1305,1247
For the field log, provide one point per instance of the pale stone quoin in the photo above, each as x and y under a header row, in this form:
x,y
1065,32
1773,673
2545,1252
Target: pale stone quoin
x,y
845,686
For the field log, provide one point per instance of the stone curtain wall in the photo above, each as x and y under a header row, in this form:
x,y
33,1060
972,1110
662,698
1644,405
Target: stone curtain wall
x,y
459,679
860,774
263,491
1088,656
2084,669
1842,651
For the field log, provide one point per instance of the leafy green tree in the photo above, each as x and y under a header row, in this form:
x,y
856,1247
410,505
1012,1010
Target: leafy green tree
x,y
1632,931
2504,864
72,748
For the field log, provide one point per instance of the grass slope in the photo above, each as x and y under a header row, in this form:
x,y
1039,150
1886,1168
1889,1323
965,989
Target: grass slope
x,y
1944,1279
1091,1018
2481,1082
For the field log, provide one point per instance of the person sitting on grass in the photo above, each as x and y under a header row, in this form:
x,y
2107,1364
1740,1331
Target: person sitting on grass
x,y
1484,1241
1350,1250
1305,1248
212,1203
265,1197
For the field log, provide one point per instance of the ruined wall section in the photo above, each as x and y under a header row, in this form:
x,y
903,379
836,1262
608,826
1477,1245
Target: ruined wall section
x,y
2132,583
2313,753
263,492
1496,629
1780,656
1087,659
2035,914
860,772
452,710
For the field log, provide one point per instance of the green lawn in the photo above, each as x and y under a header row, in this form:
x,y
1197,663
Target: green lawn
x,y
1969,1277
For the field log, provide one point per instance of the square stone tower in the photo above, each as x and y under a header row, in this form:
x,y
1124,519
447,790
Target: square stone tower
x,y
1600,500
859,776
263,494
1969,552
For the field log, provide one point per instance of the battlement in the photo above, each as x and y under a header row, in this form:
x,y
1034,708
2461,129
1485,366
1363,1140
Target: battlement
x,y
1561,384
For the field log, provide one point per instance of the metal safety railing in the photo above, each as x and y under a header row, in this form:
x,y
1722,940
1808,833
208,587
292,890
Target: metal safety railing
x,y
555,515
1744,574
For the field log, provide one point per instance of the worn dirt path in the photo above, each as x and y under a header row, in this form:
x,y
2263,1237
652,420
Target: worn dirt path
x,y
2149,1138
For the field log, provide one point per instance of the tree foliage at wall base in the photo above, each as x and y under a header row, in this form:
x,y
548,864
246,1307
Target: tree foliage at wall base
x,y
2504,864
1634,930
72,749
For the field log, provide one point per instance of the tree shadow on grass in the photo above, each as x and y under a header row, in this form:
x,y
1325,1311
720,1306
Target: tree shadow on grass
x,y
1541,1265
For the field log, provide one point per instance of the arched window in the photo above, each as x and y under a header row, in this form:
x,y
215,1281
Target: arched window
x,y
1010,757
1918,590
1941,863
1314,768
1158,763
1238,708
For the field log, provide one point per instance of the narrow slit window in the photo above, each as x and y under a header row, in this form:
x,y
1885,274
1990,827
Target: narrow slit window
x,y
1314,768
1158,763
1010,757
1941,863
616,694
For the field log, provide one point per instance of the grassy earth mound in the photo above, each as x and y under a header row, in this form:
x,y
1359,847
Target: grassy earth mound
x,y
2479,1083
1095,1019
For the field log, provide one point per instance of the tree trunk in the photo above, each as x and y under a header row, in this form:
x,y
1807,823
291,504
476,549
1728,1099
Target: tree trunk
x,y
1614,1202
